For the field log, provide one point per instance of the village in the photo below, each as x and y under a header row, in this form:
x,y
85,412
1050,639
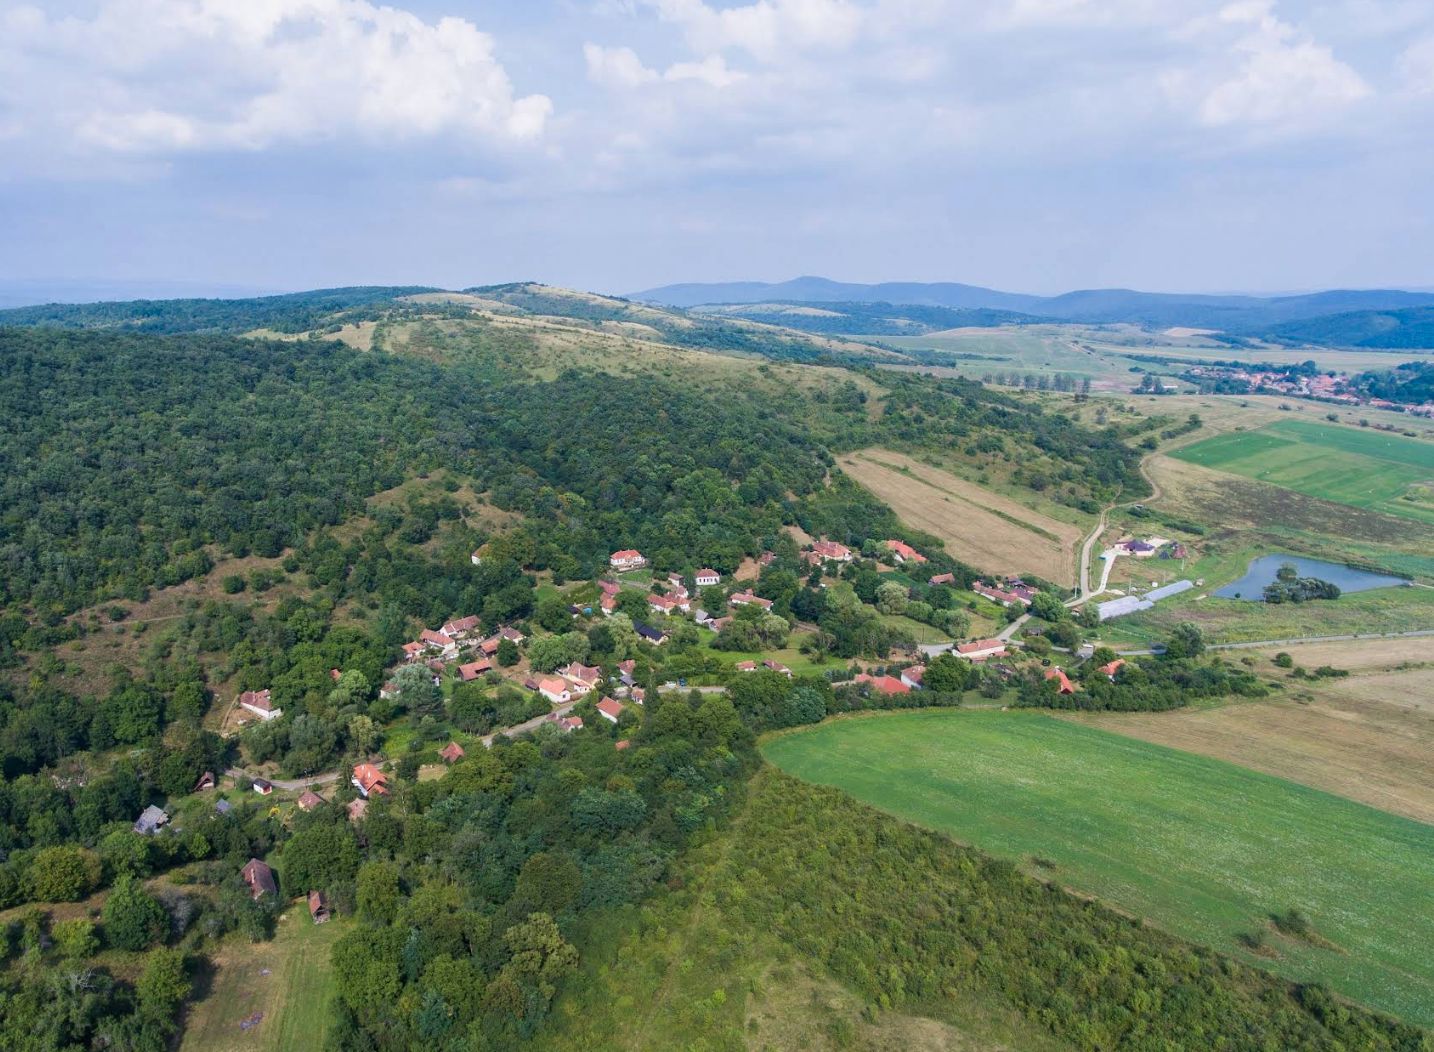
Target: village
x,y
1294,382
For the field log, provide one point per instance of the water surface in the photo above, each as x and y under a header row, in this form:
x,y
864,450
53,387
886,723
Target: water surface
x,y
1262,571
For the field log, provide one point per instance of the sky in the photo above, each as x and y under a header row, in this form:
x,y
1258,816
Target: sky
x,y
615,145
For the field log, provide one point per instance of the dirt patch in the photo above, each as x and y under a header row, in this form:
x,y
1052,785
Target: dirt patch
x,y
1369,737
985,529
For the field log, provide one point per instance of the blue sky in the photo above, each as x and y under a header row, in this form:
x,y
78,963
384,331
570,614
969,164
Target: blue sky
x,y
1034,145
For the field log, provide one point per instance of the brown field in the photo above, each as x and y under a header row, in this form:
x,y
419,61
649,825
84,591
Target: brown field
x,y
991,532
1369,737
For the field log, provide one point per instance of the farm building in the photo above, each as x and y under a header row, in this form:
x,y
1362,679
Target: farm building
x,y
260,704
981,649
260,878
206,781
150,820
318,907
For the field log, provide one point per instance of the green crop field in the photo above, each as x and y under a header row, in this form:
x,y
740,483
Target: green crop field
x,y
1205,849
1364,469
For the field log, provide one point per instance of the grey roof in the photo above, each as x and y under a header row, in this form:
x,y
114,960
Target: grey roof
x,y
223,807
1168,590
150,819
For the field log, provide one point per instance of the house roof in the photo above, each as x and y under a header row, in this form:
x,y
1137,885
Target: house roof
x,y
646,631
317,902
473,669
831,550
370,777
436,638
942,578
553,685
746,666
451,752
609,708
884,684
624,744
978,645
1065,686
589,674
356,808
915,674
707,571
904,550
257,698
627,554
263,785
309,799
1110,668
463,624
259,877
150,819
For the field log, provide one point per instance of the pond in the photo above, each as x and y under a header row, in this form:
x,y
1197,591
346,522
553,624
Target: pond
x,y
1262,571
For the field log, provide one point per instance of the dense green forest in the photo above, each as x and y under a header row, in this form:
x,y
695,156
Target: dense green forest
x,y
1410,384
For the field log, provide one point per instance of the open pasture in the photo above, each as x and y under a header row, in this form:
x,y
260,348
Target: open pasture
x,y
989,531
1363,469
1205,849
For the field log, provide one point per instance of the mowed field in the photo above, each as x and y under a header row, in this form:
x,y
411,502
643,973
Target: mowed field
x,y
1205,849
1364,469
294,996
990,532
1369,736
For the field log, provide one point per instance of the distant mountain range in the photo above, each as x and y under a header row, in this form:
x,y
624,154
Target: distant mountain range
x,y
1378,315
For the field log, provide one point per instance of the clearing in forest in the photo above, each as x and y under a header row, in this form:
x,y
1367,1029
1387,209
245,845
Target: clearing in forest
x,y
993,533
282,988
1207,850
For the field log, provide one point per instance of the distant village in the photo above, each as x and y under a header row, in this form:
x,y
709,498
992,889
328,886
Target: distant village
x,y
1294,382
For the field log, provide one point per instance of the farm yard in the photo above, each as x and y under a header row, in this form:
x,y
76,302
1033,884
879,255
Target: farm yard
x,y
1206,849
281,988
989,531
1363,469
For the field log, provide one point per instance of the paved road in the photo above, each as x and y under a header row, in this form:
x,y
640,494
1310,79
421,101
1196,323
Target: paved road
x,y
280,783
528,725
1262,643
1010,630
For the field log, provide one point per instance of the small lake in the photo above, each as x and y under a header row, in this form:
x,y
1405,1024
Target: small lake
x,y
1262,572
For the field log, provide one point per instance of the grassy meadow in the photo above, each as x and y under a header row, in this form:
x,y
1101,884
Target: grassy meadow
x,y
1205,849
293,996
1363,469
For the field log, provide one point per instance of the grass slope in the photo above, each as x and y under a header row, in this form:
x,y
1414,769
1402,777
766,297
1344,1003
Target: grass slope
x,y
1206,849
1363,469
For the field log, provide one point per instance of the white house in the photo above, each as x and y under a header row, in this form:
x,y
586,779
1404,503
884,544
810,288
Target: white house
x,y
260,704
706,578
627,559
556,690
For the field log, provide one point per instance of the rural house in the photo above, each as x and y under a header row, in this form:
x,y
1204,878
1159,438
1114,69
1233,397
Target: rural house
x,y
555,689
981,649
260,878
318,907
777,667
150,820
206,781
830,551
461,628
707,577
451,753
650,634
263,787
913,676
260,704
566,723
473,669
749,599
941,578
999,595
1063,682
308,800
627,559
884,684
1110,668
369,780
901,552
609,709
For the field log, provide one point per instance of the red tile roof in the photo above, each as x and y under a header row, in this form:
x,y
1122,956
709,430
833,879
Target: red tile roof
x,y
978,645
884,684
1065,685
370,778
609,708
904,550
258,698
942,578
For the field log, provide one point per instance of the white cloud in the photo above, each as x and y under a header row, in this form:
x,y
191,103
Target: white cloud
x,y
1280,73
620,67
161,76
768,29
1416,66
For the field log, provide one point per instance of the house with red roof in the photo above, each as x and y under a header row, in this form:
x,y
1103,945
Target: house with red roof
x,y
1063,682
566,723
308,800
260,704
901,552
941,578
318,907
746,666
609,709
451,753
913,676
707,577
748,598
439,642
831,551
461,628
555,689
369,780
624,744
777,667
413,651
1110,668
260,878
981,649
669,604
999,595
627,559
473,669
609,587
588,675
884,684
608,603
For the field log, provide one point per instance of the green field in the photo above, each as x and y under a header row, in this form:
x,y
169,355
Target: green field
x,y
293,997
1364,469
1205,849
